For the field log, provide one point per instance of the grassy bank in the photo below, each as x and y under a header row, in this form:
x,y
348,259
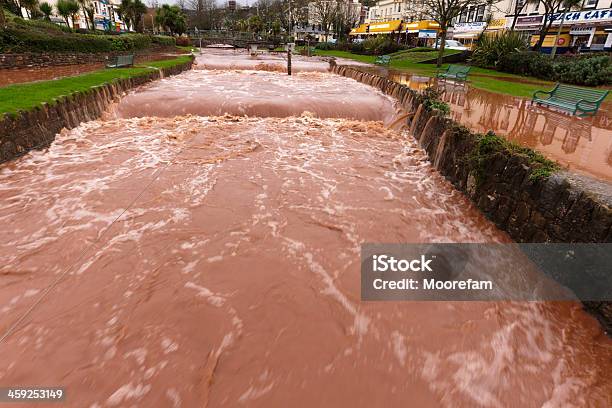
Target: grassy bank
x,y
14,98
481,78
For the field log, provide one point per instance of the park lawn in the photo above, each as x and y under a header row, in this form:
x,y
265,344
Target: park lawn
x,y
23,97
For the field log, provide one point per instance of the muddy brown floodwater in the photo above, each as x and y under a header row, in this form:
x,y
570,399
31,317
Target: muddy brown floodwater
x,y
207,261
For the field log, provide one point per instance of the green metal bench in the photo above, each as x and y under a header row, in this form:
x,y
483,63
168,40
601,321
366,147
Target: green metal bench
x,y
456,72
122,61
578,101
383,60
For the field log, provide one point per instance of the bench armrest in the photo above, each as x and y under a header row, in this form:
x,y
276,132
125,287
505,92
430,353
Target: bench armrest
x,y
535,94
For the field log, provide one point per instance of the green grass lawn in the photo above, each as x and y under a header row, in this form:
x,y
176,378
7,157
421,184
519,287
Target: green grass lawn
x,y
481,78
14,98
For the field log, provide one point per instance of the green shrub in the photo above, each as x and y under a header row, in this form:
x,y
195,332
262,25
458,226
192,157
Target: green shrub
x,y
431,99
380,45
163,40
22,38
526,63
586,70
324,46
357,48
491,48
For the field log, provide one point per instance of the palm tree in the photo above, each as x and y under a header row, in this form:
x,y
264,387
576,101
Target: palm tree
x,y
30,6
67,9
46,9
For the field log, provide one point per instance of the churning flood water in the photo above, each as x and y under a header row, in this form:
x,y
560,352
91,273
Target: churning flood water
x,y
173,255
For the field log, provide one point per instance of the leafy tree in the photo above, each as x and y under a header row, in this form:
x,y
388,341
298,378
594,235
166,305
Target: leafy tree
x,y
46,9
171,18
255,24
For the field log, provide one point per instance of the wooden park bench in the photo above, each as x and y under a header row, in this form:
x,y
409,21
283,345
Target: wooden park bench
x,y
578,101
456,72
122,61
383,60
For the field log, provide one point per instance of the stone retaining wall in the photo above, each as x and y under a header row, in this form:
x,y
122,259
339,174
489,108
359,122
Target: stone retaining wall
x,y
53,59
37,128
563,207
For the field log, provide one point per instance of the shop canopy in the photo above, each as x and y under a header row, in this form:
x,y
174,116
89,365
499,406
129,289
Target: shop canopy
x,y
386,27
359,30
416,26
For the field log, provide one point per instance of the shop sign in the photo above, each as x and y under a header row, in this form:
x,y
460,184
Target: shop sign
x,y
496,24
427,33
582,30
467,27
529,20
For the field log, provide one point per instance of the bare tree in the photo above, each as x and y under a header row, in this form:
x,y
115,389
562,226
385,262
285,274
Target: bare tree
x,y
324,14
519,6
443,12
345,17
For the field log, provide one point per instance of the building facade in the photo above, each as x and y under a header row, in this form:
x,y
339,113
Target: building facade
x,y
106,16
588,27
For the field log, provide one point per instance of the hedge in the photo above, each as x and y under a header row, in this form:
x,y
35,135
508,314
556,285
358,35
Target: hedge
x,y
588,70
43,36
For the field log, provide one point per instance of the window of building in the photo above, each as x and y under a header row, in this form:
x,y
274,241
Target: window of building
x,y
480,11
472,14
463,17
590,3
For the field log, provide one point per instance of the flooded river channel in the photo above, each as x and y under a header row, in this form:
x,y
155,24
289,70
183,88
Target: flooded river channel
x,y
199,247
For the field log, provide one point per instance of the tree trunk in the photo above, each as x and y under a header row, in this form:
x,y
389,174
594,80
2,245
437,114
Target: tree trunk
x,y
442,38
545,27
2,16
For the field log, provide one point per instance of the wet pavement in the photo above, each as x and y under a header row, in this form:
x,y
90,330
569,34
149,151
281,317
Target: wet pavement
x,y
156,260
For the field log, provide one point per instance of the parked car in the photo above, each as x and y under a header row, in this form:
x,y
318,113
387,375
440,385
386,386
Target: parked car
x,y
453,45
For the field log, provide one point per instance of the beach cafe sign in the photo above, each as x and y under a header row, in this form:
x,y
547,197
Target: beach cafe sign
x,y
572,17
591,16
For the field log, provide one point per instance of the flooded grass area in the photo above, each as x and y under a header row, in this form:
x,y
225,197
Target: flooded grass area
x,y
583,145
200,246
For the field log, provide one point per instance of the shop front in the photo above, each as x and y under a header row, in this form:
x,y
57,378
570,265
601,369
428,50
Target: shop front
x,y
420,33
588,29
468,33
